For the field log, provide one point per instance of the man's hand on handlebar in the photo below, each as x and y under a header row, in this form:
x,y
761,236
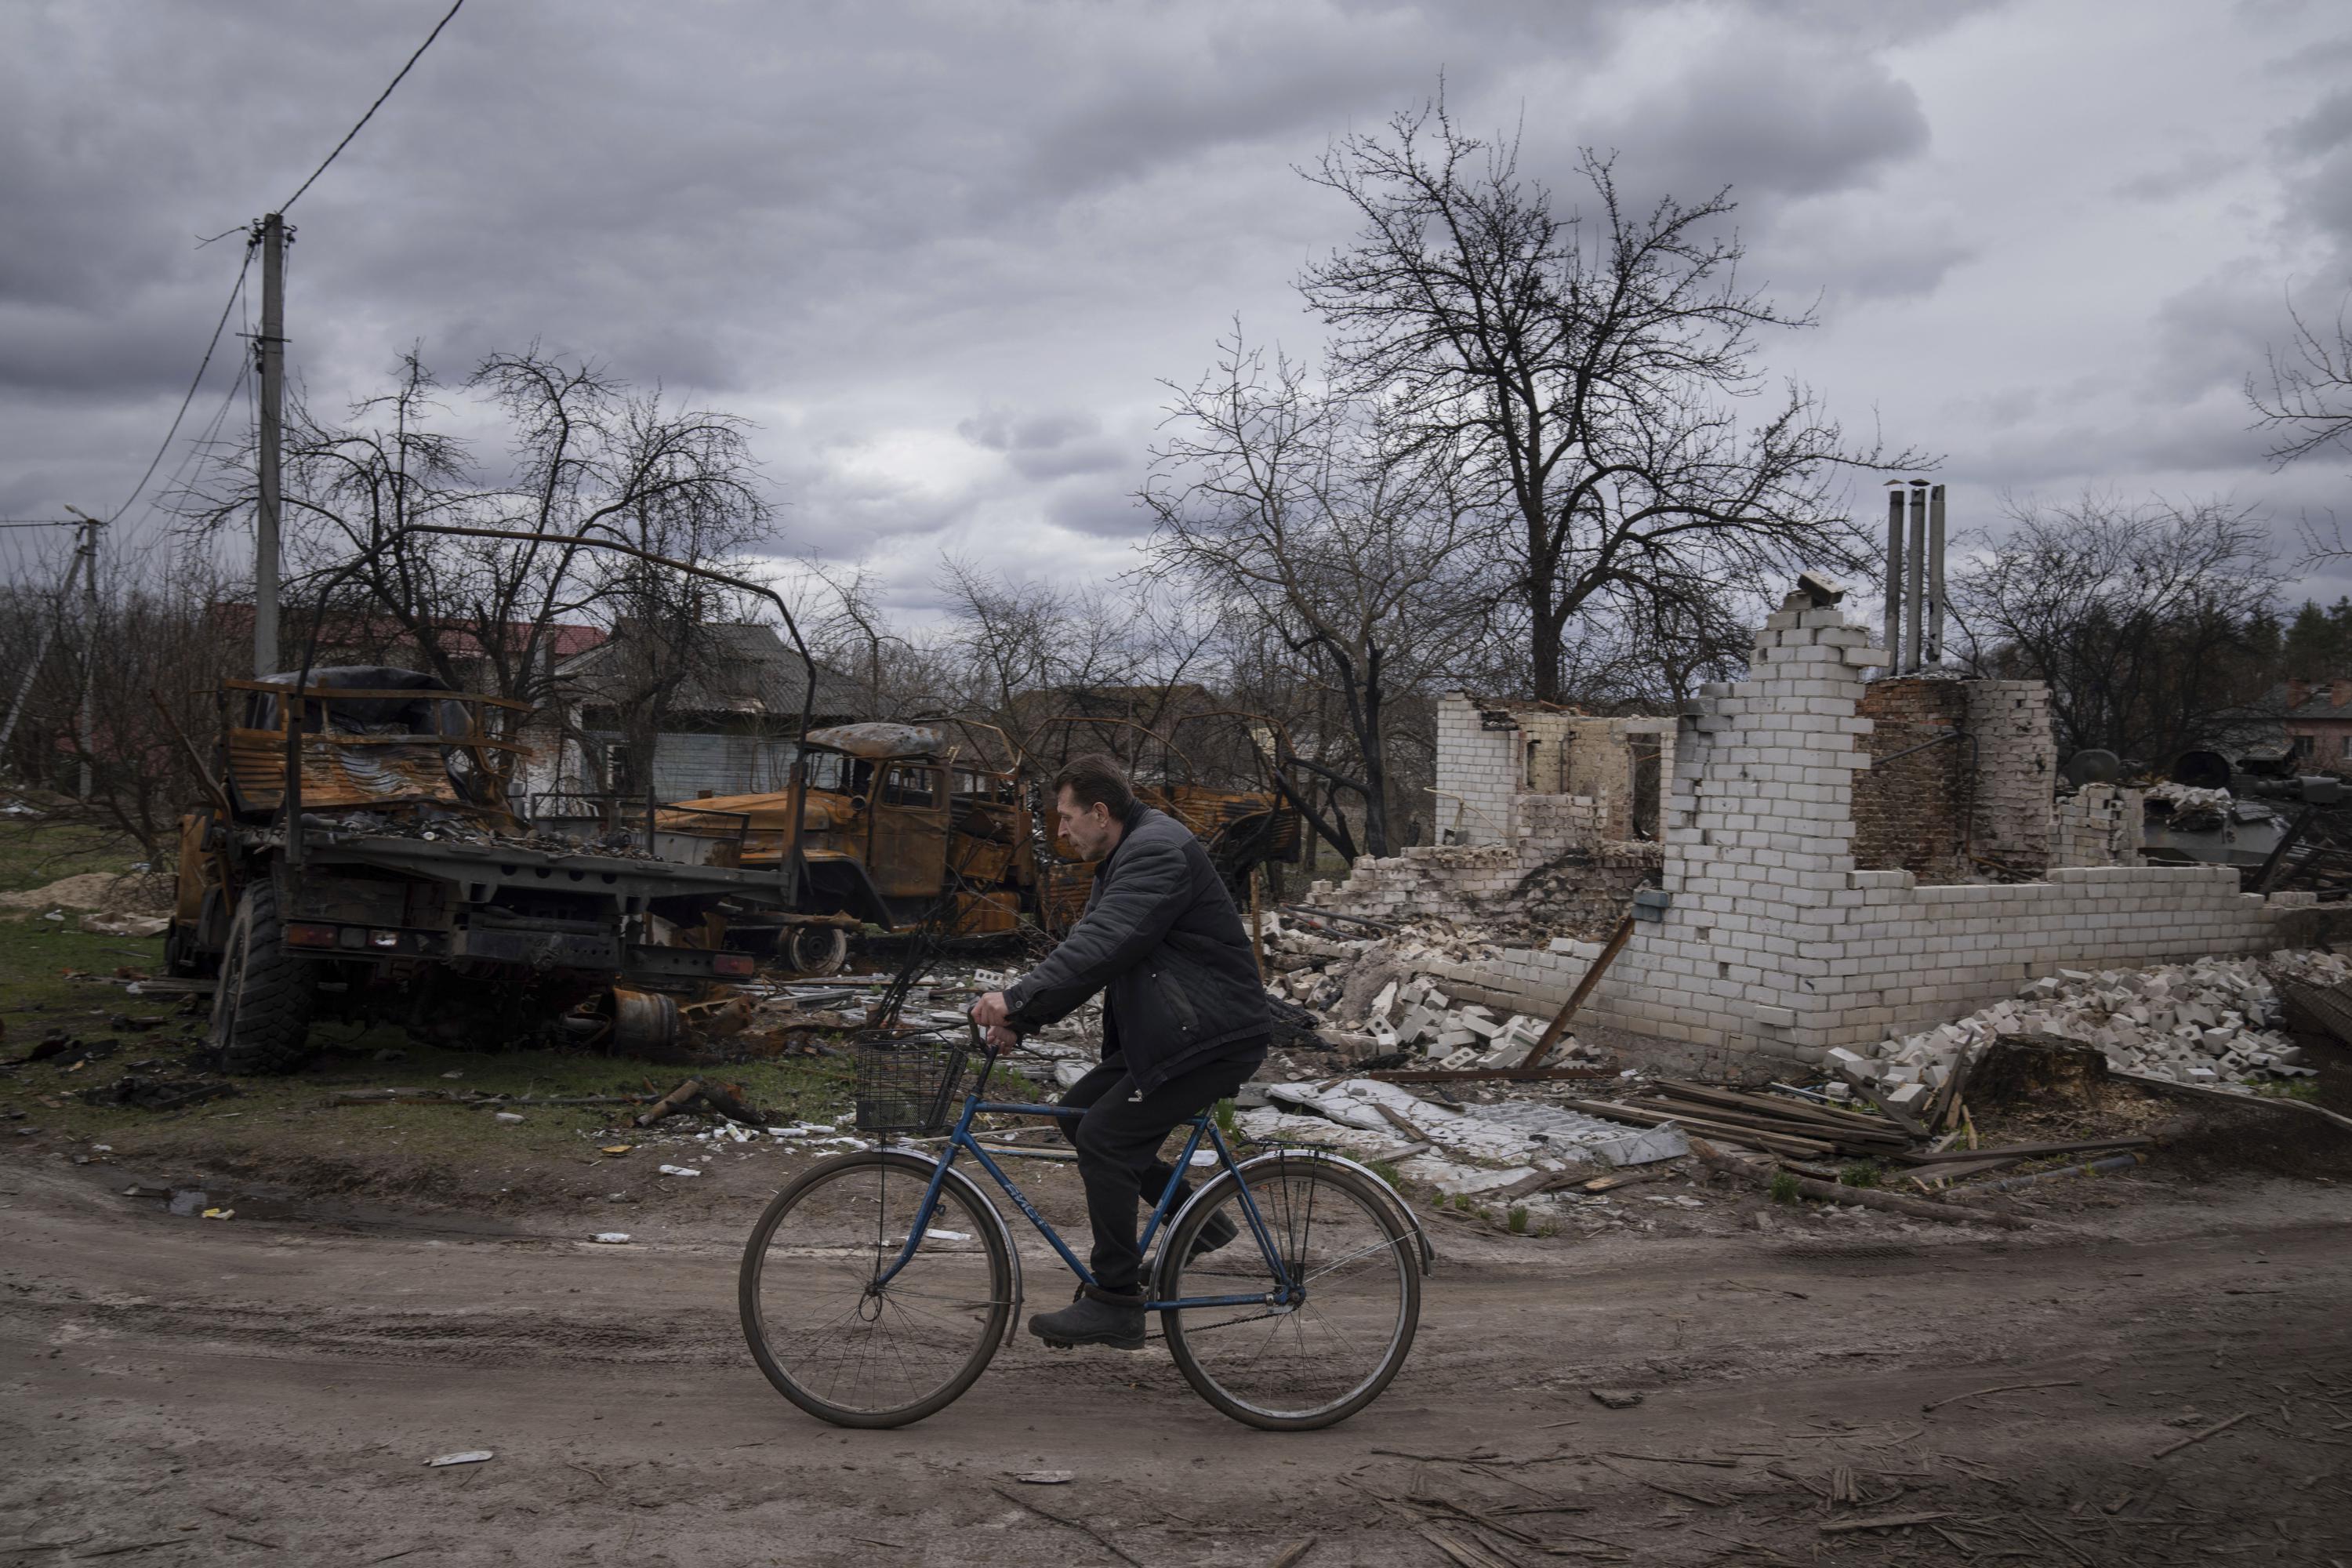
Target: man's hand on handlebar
x,y
989,1012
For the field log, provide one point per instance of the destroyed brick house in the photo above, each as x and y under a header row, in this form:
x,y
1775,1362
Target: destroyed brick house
x,y
1835,861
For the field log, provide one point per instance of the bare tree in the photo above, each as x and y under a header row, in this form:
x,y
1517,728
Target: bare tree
x,y
587,456
2309,404
1584,373
2139,616
145,652
1293,505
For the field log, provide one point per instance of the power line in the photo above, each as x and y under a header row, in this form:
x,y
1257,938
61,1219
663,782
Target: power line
x,y
226,306
355,129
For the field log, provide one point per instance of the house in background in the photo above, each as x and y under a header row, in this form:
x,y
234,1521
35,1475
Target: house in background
x,y
731,725
2307,723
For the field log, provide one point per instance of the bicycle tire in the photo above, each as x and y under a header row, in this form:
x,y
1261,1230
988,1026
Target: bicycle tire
x,y
1365,1225
825,1198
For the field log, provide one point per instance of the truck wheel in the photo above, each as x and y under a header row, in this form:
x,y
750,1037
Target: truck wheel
x,y
261,1007
816,950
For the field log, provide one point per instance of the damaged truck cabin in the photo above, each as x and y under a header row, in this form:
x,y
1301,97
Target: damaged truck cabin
x,y
902,826
393,881
894,827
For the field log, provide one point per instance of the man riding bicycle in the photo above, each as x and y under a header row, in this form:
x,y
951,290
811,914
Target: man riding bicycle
x,y
1185,1023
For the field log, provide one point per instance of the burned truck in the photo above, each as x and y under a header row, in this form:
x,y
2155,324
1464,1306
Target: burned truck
x,y
900,829
903,827
359,858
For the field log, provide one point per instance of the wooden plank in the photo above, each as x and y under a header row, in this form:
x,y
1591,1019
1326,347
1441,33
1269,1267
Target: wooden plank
x,y
2029,1151
1778,1143
1771,1104
1893,1112
1878,1134
1599,966
1490,1074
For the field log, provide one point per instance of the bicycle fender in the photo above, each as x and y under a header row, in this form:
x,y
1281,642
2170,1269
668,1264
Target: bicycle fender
x,y
972,1190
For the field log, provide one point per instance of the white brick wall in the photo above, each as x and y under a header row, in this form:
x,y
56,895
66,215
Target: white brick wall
x,y
1776,946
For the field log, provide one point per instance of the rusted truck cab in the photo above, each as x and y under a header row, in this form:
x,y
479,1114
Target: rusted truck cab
x,y
894,827
360,858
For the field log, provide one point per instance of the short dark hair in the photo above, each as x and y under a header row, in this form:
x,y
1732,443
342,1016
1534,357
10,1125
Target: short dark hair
x,y
1095,780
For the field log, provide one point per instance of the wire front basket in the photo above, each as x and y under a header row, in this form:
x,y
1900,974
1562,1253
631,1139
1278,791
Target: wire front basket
x,y
910,1084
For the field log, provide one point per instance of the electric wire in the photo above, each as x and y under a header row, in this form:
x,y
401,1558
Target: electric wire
x,y
355,129
228,305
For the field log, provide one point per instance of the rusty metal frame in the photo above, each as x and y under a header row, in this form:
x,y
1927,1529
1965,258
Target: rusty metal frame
x,y
794,868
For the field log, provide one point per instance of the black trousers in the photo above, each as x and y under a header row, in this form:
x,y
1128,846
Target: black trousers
x,y
1119,1141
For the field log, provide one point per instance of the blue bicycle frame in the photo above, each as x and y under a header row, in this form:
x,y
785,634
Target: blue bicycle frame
x,y
960,1140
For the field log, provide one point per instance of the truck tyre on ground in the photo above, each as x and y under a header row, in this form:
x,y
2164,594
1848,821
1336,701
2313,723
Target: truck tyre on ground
x,y
261,1008
814,948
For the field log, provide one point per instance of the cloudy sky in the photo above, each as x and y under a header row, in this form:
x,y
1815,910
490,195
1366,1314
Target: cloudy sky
x,y
944,253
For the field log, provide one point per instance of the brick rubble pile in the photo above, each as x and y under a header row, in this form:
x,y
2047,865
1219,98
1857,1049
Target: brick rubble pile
x,y
1401,992
2209,1020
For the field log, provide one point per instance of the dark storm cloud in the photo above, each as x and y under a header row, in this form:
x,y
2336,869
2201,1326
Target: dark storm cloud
x,y
1770,116
943,254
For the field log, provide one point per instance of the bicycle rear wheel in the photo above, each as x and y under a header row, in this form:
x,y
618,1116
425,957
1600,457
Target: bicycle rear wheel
x,y
848,1350
1328,1351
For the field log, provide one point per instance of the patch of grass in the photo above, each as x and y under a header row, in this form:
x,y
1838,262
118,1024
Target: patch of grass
x,y
1387,1172
1461,1202
1864,1173
1784,1187
1519,1219
34,854
282,1131
2292,1088
1550,1228
36,955
1225,1118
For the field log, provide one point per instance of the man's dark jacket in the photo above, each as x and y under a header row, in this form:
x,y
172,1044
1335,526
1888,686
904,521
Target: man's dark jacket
x,y
1160,936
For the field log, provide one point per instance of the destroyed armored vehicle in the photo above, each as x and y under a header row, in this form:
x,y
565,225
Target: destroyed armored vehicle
x,y
359,859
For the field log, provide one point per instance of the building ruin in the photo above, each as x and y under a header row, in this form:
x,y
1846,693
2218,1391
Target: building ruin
x,y
1825,856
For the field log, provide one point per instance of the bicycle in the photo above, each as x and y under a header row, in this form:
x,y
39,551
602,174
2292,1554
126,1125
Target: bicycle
x,y
863,1312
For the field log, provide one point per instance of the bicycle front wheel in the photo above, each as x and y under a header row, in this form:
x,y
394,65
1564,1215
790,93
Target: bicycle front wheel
x,y
1327,1345
838,1339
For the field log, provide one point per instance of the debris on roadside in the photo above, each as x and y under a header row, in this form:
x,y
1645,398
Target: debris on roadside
x,y
2210,1021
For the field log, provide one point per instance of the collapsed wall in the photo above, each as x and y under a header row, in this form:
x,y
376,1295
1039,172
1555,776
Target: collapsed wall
x,y
2101,824
1776,944
1558,870
1539,810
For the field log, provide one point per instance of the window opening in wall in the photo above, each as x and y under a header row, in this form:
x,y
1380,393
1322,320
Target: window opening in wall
x,y
1643,750
1528,778
2348,746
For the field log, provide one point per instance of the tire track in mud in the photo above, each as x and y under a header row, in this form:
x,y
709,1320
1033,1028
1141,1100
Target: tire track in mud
x,y
503,1336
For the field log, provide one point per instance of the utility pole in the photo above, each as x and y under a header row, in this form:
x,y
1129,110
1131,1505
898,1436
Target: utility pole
x,y
269,350
88,551
41,650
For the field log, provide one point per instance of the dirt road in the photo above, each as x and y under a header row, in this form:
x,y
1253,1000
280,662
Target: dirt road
x,y
268,1390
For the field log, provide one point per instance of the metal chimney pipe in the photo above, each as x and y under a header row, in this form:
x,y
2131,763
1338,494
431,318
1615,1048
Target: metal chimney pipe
x,y
1935,575
1894,579
1914,576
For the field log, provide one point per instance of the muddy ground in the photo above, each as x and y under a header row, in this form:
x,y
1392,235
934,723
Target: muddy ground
x,y
269,1389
